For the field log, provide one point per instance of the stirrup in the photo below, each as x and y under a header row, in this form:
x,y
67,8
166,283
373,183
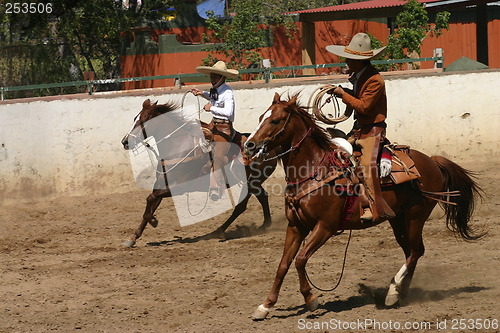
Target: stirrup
x,y
214,193
367,215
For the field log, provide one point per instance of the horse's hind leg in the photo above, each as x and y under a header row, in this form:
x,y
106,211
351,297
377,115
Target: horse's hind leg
x,y
238,210
152,203
293,239
263,198
408,231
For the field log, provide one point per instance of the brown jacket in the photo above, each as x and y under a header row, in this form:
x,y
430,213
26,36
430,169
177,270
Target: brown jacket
x,y
371,104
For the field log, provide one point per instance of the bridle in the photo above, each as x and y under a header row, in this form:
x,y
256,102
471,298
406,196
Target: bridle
x,y
277,135
150,147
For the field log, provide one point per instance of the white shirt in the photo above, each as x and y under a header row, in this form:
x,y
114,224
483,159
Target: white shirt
x,y
223,107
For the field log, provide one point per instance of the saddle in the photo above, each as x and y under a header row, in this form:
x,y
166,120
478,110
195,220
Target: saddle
x,y
236,137
403,167
204,146
339,167
338,172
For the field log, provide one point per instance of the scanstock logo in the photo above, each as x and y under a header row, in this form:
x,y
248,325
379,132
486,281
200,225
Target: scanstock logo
x,y
170,153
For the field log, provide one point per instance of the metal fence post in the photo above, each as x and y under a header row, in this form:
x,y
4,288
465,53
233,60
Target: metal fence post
x,y
90,87
267,74
438,53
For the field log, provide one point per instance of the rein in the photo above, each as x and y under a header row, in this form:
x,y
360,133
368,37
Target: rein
x,y
312,175
166,137
292,148
329,156
341,272
179,162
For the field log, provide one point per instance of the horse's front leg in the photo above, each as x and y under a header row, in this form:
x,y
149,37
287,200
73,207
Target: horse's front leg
x,y
317,238
152,203
293,239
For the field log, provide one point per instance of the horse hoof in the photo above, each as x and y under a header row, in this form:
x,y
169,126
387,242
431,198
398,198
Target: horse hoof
x,y
129,243
261,313
392,296
313,304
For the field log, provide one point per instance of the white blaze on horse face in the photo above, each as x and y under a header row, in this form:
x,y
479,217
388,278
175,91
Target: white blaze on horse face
x,y
136,119
266,115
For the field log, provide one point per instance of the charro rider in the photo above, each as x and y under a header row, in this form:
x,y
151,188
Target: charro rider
x,y
221,105
369,101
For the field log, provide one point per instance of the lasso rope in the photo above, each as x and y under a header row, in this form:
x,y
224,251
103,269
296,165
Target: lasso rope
x,y
187,193
315,103
197,100
188,205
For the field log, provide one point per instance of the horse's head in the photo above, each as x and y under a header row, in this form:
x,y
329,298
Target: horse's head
x,y
148,112
273,129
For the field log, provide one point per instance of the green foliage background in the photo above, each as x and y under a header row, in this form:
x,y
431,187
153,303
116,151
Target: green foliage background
x,y
240,37
413,27
79,36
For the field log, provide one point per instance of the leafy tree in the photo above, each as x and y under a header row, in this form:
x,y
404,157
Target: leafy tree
x,y
412,28
74,37
238,37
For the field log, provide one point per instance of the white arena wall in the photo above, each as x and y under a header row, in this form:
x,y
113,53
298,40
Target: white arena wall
x,y
70,145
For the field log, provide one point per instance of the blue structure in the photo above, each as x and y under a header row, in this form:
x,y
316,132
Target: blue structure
x,y
216,6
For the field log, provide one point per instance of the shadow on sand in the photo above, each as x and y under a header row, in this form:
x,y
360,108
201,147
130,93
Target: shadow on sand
x,y
239,232
371,295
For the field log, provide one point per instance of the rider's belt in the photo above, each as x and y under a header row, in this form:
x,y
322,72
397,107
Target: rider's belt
x,y
221,121
381,124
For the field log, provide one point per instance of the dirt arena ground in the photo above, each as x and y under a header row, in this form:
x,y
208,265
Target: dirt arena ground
x,y
63,268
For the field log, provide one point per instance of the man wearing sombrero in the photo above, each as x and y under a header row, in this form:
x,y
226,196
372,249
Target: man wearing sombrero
x,y
369,101
221,105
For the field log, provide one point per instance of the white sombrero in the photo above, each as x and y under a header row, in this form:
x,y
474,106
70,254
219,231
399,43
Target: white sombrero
x,y
358,49
219,68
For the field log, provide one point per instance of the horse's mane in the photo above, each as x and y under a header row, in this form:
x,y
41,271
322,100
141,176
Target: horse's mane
x,y
319,134
167,107
172,106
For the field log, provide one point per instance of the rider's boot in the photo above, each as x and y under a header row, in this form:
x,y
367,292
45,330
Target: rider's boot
x,y
377,209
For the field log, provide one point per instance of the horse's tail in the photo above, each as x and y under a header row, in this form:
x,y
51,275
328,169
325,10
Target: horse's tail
x,y
458,216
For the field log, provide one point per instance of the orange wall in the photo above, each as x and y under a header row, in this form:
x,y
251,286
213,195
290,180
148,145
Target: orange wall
x,y
285,51
159,64
340,33
458,41
494,44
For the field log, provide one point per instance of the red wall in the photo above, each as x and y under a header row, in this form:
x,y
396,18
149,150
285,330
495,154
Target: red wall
x,y
285,51
340,33
458,41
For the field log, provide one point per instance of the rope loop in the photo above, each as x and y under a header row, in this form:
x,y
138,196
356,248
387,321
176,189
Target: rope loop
x,y
315,103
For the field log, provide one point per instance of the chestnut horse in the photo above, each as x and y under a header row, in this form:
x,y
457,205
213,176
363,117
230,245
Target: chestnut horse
x,y
318,213
192,168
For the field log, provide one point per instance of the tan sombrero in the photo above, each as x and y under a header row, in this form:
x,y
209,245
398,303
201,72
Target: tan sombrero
x,y
219,68
358,49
